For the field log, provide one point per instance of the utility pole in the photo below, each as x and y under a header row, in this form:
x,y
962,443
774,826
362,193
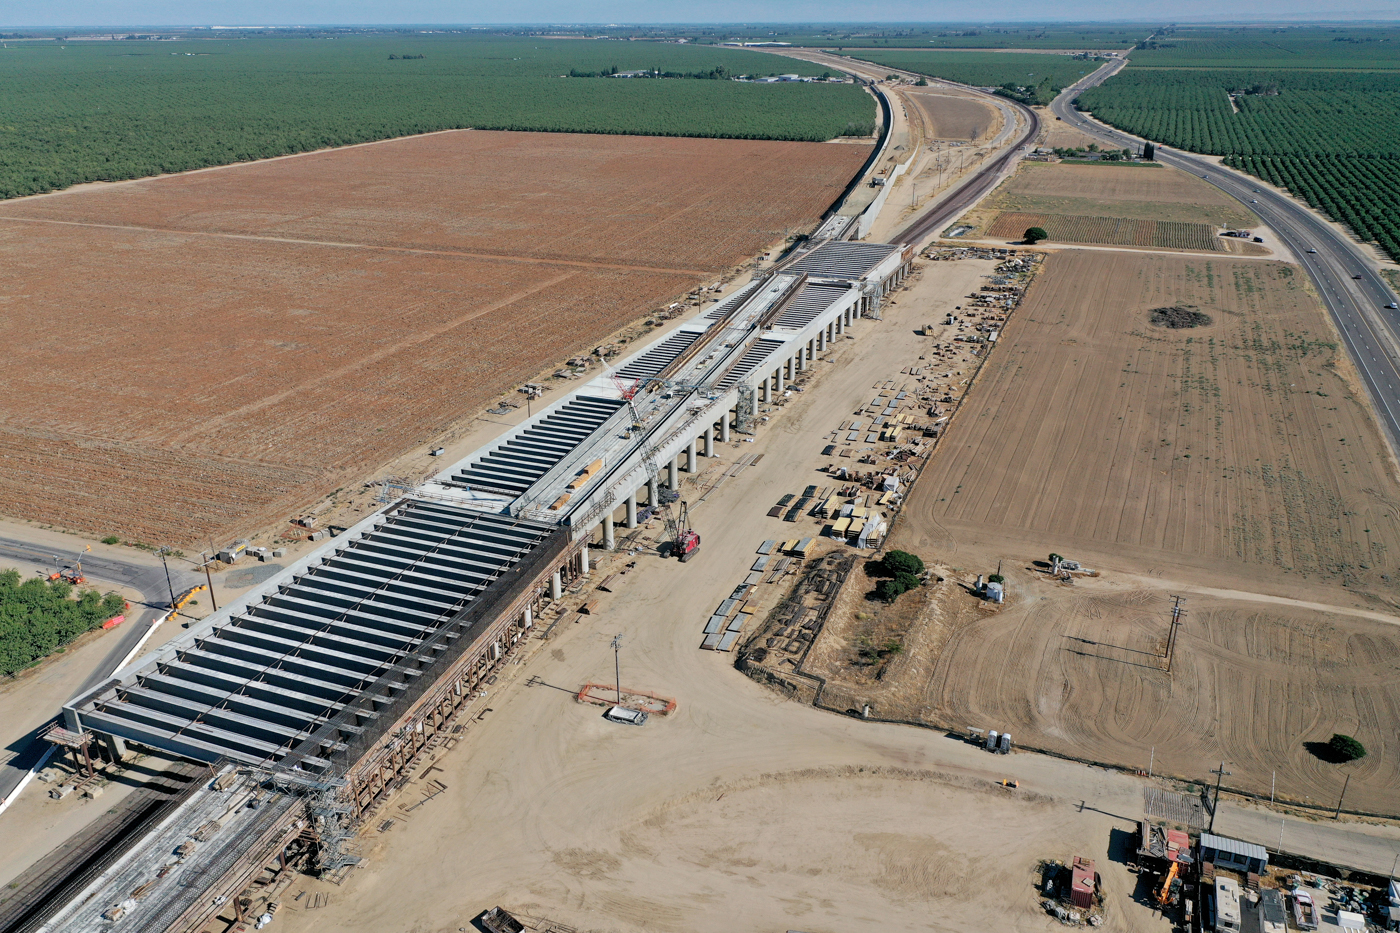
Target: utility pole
x,y
1177,613
163,552
210,580
1219,773
617,664
1338,814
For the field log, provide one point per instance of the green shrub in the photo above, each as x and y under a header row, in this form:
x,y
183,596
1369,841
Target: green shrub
x,y
1345,748
996,578
888,590
37,617
111,539
897,562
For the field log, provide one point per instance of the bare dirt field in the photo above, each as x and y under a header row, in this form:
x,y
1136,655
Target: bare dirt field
x,y
1114,205
953,116
1078,670
236,343
740,810
1241,444
1108,231
1236,456
1060,136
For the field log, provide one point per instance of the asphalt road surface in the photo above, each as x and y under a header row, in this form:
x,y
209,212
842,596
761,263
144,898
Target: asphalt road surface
x,y
1345,277
147,580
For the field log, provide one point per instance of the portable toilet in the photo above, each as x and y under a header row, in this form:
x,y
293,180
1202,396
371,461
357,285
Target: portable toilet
x,y
1005,743
992,741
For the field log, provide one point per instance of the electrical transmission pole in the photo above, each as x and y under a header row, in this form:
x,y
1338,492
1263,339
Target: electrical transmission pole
x,y
1219,773
1177,613
617,664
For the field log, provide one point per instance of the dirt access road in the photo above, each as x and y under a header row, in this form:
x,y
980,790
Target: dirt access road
x,y
740,804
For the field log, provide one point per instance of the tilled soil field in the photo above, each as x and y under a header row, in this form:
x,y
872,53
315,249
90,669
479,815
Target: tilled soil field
x,y
1138,192
954,117
1109,231
1240,446
1238,456
224,347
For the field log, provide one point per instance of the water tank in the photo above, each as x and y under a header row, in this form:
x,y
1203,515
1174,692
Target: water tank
x,y
992,740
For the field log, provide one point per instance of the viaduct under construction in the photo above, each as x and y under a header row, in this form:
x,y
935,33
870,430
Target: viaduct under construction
x,y
301,706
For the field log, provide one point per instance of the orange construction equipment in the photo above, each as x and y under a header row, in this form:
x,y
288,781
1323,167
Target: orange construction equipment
x,y
1164,894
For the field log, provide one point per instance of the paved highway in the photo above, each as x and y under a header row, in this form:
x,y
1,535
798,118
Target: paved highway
x,y
146,579
1345,278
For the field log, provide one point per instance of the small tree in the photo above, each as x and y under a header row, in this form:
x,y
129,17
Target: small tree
x,y
897,562
1036,234
996,578
907,581
922,82
1345,748
888,590
1149,152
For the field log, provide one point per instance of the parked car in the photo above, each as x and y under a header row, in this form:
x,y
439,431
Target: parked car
x,y
632,717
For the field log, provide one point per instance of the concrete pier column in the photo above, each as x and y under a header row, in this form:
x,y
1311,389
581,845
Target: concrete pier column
x,y
116,746
583,559
609,537
673,468
779,386
710,439
821,338
768,389
632,509
799,362
790,367
529,617
724,427
653,499
690,456
556,586
841,323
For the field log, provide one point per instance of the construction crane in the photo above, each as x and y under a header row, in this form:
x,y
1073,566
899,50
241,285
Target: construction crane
x,y
685,541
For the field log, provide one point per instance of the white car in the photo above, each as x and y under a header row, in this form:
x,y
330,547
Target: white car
x,y
632,717
1252,201
1393,306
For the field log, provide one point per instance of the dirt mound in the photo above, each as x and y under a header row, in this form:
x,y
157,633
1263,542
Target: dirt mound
x,y
1177,317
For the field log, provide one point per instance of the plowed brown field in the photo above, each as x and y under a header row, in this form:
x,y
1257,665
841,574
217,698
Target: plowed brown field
x,y
1241,443
955,117
1109,231
206,353
1234,458
1136,192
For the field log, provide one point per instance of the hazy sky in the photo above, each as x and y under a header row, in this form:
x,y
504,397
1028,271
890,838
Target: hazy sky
x,y
64,13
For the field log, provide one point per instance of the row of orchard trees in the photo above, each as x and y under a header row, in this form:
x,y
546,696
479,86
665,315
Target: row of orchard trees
x,y
1330,138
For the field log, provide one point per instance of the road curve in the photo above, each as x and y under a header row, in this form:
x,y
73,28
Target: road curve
x,y
972,189
148,580
1354,292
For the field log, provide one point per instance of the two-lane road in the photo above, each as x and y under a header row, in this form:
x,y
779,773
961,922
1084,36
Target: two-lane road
x,y
148,579
1346,279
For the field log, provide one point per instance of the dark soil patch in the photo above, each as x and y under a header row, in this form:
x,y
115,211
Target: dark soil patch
x,y
1177,317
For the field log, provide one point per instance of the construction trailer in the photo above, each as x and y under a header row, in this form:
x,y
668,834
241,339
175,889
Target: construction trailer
x,y
1234,854
1084,883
